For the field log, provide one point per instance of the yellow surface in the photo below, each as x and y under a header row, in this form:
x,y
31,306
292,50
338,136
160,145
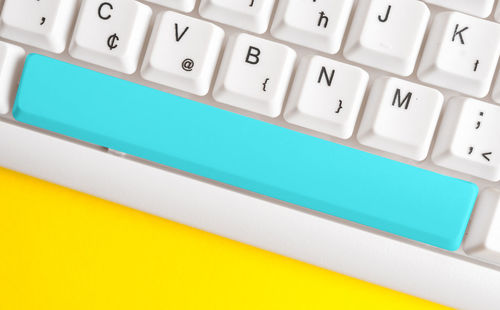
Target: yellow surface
x,y
61,249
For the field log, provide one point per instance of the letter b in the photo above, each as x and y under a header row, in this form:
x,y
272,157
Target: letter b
x,y
253,55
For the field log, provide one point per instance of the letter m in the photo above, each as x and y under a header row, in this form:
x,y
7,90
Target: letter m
x,y
405,102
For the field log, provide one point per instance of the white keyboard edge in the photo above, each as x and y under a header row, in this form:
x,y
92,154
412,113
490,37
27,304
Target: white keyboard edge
x,y
432,274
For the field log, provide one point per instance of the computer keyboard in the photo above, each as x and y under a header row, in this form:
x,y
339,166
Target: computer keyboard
x,y
344,133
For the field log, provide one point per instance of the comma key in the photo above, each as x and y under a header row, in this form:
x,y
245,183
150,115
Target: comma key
x,y
468,139
43,24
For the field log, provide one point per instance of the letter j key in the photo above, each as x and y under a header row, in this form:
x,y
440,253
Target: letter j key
x,y
461,53
387,34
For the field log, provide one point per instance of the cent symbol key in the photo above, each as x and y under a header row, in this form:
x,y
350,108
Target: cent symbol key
x,y
254,74
183,52
111,33
468,139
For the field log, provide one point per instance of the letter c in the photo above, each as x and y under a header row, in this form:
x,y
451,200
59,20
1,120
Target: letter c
x,y
99,11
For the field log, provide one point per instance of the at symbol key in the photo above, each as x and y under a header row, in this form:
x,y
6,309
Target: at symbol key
x,y
193,48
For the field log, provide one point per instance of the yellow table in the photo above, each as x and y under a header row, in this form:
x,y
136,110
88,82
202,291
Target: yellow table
x,y
60,249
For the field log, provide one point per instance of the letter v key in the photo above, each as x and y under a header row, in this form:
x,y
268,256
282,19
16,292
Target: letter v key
x,y
177,36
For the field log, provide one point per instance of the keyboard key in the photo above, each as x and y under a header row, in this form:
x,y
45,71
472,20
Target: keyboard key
x,y
468,139
387,34
244,152
111,34
11,63
326,96
316,24
181,5
43,24
251,15
400,117
481,8
254,74
496,89
461,53
483,238
192,47
497,13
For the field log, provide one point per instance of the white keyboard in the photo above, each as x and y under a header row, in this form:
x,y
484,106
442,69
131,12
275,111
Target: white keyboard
x,y
416,82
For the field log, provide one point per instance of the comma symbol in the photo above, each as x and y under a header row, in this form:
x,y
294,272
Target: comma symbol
x,y
43,21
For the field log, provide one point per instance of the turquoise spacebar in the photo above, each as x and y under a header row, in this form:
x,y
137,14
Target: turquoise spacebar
x,y
244,152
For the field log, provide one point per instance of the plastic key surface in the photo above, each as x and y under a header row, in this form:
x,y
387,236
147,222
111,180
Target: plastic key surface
x,y
244,152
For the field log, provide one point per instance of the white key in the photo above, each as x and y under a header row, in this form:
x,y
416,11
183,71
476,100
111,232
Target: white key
x,y
251,15
468,139
400,117
387,34
480,8
182,53
181,5
44,24
461,53
315,24
326,96
111,34
254,74
11,63
497,13
496,89
483,237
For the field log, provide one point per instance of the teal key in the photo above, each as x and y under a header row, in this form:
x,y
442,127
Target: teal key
x,y
244,152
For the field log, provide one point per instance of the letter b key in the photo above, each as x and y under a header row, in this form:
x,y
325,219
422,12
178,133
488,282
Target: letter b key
x,y
254,74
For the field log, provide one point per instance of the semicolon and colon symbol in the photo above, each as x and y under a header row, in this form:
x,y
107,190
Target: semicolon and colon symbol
x,y
485,155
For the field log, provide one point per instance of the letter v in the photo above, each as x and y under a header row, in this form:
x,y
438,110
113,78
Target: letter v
x,y
177,37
